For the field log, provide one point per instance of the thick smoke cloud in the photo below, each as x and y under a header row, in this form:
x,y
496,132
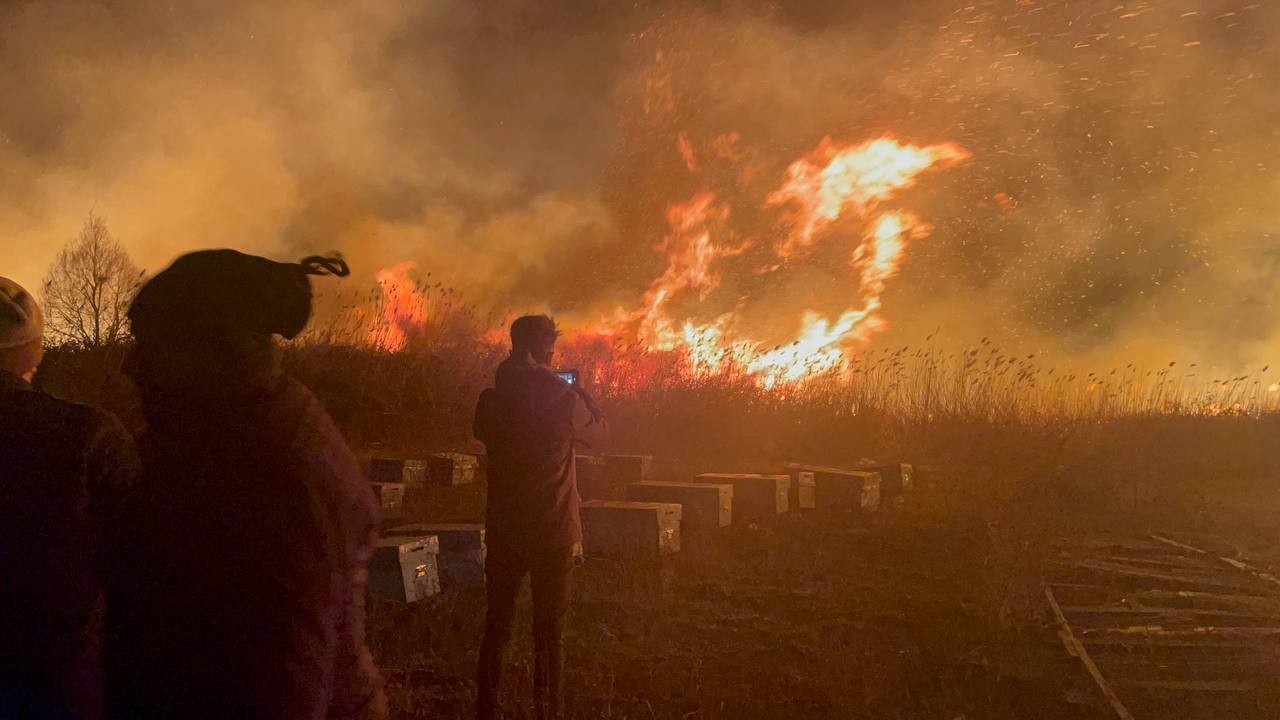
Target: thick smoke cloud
x,y
1120,203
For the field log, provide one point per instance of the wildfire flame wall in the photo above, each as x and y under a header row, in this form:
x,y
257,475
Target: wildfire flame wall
x,y
1097,180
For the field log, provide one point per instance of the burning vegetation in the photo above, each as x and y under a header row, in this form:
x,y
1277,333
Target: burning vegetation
x,y
1028,245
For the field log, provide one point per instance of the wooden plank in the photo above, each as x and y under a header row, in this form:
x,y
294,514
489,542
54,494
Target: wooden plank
x,y
1158,631
1190,667
1197,686
1142,574
1175,562
1222,600
1075,648
1245,567
1082,594
1237,564
1141,642
1204,617
1175,543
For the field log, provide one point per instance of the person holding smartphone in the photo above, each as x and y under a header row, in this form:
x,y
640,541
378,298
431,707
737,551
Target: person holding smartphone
x,y
531,422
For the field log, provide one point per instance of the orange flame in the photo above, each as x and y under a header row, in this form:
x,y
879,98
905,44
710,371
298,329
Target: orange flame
x,y
818,190
832,179
690,253
832,183
404,309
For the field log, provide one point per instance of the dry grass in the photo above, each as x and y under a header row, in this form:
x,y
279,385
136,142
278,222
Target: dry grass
x,y
931,613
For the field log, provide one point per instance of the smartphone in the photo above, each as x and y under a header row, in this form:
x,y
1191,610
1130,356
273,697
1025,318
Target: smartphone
x,y
569,376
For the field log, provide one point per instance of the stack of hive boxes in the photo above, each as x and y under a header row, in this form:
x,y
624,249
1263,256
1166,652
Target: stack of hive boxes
x,y
756,498
705,507
836,488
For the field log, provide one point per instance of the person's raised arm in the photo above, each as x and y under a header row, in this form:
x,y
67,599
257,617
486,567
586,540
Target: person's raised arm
x,y
590,428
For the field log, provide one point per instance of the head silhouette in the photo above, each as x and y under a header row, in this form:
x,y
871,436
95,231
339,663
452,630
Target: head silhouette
x,y
536,335
21,330
205,325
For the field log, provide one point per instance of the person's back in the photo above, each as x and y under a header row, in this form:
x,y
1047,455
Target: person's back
x,y
530,422
64,470
527,426
256,513
243,593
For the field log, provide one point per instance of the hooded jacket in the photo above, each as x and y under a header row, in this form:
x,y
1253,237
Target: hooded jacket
x,y
243,595
531,422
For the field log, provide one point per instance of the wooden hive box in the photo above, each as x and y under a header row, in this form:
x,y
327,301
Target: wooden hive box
x,y
450,469
593,483
390,498
462,550
895,478
413,473
614,528
837,488
622,470
803,494
404,569
704,507
755,497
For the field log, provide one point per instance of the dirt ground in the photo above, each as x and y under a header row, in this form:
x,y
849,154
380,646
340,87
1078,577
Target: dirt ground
x,y
913,612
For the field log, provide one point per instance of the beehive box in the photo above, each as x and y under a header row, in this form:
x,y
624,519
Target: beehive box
x,y
450,469
462,550
704,507
404,569
622,470
390,498
413,473
755,497
836,488
895,478
593,484
803,492
614,528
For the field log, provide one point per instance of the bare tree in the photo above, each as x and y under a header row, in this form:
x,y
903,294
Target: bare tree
x,y
89,287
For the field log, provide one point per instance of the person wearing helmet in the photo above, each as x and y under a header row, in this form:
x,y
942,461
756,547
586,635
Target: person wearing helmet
x,y
66,470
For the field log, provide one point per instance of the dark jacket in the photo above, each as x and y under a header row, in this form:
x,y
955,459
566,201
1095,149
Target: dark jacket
x,y
243,596
65,471
530,422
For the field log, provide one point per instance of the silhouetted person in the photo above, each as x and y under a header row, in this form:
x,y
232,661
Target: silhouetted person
x,y
65,469
243,596
529,423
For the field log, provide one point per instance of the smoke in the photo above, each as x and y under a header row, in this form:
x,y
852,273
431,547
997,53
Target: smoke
x,y
1119,205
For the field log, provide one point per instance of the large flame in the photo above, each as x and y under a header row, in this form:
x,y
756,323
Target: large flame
x,y
833,187
828,184
832,180
690,253
404,309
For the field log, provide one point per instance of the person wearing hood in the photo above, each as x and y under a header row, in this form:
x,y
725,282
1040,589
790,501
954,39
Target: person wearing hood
x,y
530,423
65,472
243,593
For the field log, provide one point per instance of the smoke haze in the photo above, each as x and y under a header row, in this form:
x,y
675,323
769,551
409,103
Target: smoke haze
x,y
1120,202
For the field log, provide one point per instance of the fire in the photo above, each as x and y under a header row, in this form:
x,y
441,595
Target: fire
x,y
831,180
822,195
819,349
404,308
828,184
690,253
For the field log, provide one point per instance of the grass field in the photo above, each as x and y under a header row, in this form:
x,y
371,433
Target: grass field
x,y
931,610
906,613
